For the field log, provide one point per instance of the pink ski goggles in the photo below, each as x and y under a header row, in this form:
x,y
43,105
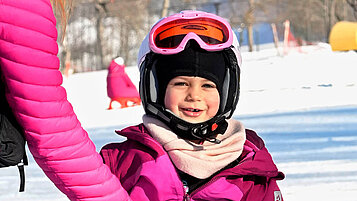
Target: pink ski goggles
x,y
171,34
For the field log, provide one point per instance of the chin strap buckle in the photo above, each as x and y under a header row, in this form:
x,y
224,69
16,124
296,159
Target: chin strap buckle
x,y
201,133
214,140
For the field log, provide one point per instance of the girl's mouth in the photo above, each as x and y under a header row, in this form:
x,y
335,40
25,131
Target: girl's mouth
x,y
192,112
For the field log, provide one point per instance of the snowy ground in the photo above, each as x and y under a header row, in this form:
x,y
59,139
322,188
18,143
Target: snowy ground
x,y
303,104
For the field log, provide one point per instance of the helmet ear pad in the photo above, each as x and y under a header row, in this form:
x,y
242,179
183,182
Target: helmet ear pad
x,y
231,85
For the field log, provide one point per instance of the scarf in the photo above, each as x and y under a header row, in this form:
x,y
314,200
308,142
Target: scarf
x,y
199,160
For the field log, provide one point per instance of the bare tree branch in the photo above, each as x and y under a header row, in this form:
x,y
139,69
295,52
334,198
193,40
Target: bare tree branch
x,y
165,8
353,4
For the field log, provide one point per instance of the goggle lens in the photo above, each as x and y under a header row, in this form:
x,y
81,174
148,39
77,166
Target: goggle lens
x,y
171,34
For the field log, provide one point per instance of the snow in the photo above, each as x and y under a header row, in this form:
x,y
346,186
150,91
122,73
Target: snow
x,y
314,77
303,104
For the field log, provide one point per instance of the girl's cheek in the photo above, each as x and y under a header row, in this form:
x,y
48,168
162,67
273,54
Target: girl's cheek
x,y
213,102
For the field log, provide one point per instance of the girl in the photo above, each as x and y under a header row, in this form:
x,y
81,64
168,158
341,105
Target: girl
x,y
186,148
189,86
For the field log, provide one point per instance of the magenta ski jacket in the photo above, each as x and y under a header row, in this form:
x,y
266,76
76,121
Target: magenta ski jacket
x,y
147,173
58,143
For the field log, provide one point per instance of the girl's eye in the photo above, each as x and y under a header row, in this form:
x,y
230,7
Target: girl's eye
x,y
209,85
180,84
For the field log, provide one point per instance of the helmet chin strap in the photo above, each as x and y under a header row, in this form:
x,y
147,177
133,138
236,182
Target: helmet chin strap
x,y
209,130
205,131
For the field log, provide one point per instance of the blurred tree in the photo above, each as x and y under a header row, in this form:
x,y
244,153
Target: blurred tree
x,y
100,30
165,8
249,19
132,19
101,13
353,4
312,19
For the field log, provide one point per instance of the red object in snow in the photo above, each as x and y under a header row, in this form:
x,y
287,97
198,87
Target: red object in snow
x,y
119,86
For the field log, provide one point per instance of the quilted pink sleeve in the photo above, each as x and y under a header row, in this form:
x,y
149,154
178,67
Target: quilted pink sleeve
x,y
29,64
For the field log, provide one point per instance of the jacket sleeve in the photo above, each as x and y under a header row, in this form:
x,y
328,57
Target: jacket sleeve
x,y
261,188
60,146
273,192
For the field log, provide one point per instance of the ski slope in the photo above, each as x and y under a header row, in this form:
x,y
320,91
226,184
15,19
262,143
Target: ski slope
x,y
303,104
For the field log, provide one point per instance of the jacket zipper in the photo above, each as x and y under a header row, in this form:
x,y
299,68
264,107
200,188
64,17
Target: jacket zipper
x,y
188,196
186,189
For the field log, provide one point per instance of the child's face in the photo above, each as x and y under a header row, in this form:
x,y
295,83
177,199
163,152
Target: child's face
x,y
193,99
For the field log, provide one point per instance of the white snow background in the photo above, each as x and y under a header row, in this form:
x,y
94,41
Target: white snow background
x,y
279,87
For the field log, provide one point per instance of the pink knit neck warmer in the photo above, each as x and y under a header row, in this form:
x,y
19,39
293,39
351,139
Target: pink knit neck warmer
x,y
200,161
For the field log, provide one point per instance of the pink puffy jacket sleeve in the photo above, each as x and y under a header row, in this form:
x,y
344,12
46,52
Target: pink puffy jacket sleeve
x,y
29,64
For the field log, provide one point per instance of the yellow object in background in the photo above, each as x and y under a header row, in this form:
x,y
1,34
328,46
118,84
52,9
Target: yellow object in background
x,y
343,36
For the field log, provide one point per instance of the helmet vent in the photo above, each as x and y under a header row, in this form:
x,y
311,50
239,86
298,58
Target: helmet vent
x,y
225,89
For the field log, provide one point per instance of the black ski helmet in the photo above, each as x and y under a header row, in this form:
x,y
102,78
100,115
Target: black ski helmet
x,y
152,94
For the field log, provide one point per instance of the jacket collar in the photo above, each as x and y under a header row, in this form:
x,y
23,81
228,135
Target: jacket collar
x,y
255,159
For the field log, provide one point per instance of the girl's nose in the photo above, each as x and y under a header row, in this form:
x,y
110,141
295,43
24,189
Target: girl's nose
x,y
194,93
